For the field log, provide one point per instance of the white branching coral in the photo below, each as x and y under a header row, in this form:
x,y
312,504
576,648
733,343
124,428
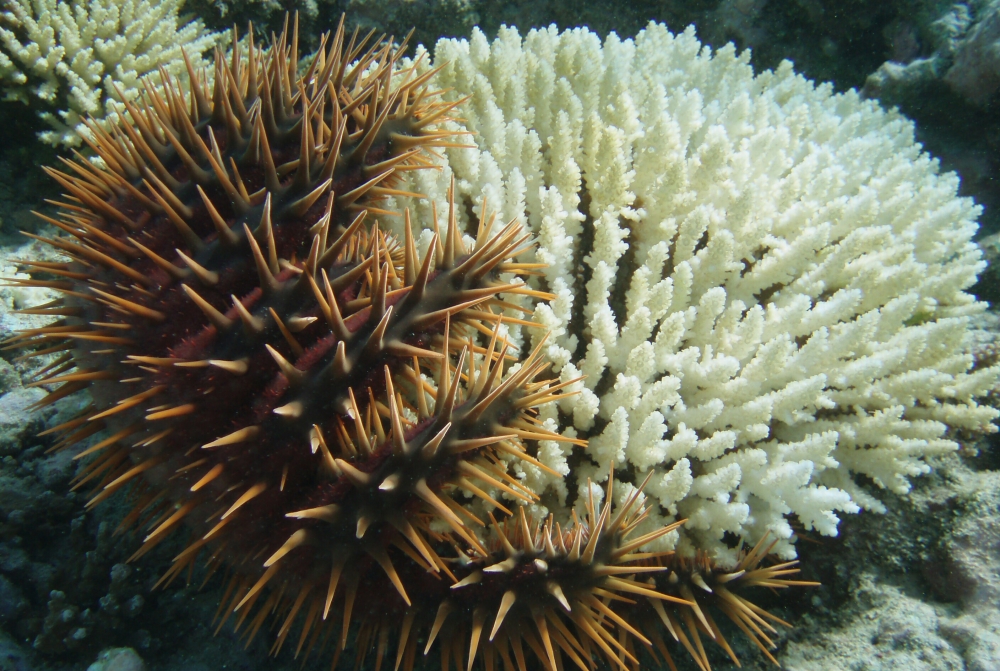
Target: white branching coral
x,y
762,281
69,56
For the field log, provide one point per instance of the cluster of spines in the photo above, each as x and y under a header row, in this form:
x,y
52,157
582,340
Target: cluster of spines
x,y
535,594
707,587
387,483
255,349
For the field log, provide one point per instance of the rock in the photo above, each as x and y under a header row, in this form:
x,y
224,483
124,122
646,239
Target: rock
x,y
926,597
134,605
975,72
14,297
894,81
972,575
12,601
61,630
16,495
973,569
55,470
120,573
26,498
964,56
12,657
888,631
978,638
17,421
988,287
13,558
9,378
41,577
118,659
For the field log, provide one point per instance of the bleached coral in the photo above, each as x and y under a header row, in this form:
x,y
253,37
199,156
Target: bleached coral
x,y
762,281
70,55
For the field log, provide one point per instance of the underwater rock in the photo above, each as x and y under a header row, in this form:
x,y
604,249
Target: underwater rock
x,y
13,298
266,15
915,588
9,378
966,57
886,629
11,601
12,558
907,74
55,469
972,573
80,620
973,548
12,657
430,19
118,659
978,638
26,500
64,628
989,282
975,72
18,420
893,81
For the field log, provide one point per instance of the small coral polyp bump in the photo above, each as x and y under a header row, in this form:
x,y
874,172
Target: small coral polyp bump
x,y
321,407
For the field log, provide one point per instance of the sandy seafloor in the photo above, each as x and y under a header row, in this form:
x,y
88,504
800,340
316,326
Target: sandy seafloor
x,y
915,589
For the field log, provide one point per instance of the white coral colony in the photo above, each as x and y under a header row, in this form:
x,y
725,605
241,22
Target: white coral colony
x,y
70,55
762,281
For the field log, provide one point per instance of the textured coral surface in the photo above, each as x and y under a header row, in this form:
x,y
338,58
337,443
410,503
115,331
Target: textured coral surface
x,y
75,60
763,282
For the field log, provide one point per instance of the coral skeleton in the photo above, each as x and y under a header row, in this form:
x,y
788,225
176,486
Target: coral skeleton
x,y
761,282
84,58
